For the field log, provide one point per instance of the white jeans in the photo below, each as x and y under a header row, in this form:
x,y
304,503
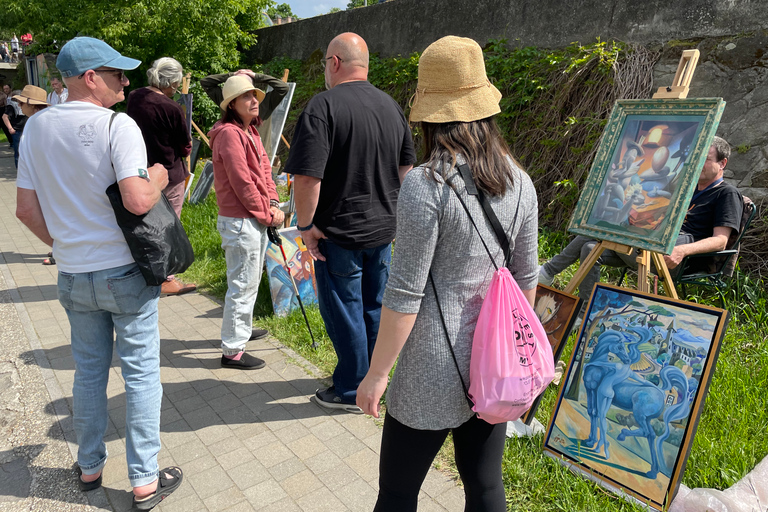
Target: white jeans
x,y
244,242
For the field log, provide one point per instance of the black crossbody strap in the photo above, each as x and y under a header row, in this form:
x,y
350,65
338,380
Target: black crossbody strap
x,y
472,190
450,346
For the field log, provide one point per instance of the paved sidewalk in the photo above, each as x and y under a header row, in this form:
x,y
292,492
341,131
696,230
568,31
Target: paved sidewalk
x,y
245,440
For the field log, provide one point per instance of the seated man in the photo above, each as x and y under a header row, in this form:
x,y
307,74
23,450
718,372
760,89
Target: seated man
x,y
715,209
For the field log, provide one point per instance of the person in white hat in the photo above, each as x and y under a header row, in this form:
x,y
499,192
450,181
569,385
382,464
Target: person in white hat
x,y
61,198
248,205
455,104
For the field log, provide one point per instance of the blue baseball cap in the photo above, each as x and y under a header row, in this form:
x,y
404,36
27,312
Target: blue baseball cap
x,y
83,53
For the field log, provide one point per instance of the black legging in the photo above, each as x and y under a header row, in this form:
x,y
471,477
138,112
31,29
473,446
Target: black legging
x,y
407,453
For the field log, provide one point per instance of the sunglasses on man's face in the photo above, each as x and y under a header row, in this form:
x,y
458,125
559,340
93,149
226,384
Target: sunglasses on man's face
x,y
120,74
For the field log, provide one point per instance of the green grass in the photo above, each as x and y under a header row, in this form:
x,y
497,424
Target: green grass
x,y
730,439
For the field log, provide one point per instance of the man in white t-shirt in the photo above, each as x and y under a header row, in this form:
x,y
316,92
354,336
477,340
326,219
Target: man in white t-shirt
x,y
61,198
59,93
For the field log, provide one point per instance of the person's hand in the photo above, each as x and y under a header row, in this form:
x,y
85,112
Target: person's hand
x,y
278,217
369,394
245,72
674,259
158,175
311,238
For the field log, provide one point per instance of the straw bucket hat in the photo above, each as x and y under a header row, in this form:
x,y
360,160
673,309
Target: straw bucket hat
x,y
237,85
452,84
32,95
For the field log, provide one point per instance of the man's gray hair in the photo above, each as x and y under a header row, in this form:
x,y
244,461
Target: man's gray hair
x,y
722,148
164,72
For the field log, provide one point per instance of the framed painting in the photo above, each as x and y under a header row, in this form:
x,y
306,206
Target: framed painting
x,y
557,312
302,270
272,128
646,170
628,408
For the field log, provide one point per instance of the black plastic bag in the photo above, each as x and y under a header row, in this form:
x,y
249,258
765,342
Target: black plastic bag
x,y
157,239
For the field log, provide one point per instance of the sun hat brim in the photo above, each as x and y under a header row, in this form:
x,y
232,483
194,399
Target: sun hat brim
x,y
24,99
451,106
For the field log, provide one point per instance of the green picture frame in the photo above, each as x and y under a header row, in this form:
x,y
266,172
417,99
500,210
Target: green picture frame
x,y
645,171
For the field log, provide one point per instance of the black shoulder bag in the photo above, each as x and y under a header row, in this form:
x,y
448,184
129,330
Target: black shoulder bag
x,y
156,239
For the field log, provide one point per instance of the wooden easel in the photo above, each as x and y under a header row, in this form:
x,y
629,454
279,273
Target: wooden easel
x,y
678,90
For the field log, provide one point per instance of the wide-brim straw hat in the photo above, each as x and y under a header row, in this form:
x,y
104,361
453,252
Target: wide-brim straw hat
x,y
452,84
32,95
237,85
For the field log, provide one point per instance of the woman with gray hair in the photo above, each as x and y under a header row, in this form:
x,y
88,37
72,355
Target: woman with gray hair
x,y
166,136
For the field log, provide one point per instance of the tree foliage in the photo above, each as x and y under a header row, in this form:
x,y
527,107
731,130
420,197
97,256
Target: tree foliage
x,y
205,36
353,4
280,11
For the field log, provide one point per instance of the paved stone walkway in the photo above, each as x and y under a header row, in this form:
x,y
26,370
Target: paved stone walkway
x,y
245,440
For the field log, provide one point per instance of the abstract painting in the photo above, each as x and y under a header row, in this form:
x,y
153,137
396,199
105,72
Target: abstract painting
x,y
557,312
645,171
301,267
628,408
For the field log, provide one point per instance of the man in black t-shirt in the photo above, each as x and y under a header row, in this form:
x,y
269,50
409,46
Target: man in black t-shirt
x,y
714,215
351,148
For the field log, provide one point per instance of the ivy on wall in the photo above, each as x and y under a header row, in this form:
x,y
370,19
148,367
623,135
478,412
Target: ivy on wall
x,y
555,104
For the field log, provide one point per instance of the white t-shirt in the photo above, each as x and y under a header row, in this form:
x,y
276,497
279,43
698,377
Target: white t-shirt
x,y
64,157
56,99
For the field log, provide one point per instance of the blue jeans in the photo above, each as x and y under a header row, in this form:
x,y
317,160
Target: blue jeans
x,y
244,242
350,286
15,142
115,307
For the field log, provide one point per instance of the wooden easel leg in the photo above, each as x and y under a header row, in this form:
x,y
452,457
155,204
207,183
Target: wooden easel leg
x,y
597,250
642,271
666,278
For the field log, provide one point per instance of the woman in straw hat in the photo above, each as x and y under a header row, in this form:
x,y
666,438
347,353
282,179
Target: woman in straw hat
x,y
32,101
248,205
439,252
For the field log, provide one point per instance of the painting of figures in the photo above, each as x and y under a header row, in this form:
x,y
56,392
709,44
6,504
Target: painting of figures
x,y
629,405
302,269
557,312
646,170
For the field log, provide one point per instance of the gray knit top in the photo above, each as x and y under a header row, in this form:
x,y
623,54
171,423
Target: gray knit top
x,y
435,234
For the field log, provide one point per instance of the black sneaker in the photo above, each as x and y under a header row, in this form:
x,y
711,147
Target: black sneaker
x,y
246,362
257,334
327,398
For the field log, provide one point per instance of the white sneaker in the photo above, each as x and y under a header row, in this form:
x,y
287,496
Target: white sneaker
x,y
545,278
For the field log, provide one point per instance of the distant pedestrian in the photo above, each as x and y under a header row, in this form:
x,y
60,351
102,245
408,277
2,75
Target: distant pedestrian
x,y
59,93
32,101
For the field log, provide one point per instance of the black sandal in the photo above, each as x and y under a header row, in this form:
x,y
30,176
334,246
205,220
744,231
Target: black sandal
x,y
88,486
165,486
49,261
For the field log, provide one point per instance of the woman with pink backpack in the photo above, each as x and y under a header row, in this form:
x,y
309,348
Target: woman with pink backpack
x,y
441,272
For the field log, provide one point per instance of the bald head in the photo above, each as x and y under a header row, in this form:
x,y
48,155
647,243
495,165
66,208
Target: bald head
x,y
351,48
346,60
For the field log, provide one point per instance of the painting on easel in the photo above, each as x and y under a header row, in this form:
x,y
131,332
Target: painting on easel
x,y
645,171
629,406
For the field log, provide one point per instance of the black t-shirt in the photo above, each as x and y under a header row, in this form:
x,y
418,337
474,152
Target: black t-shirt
x,y
353,137
720,206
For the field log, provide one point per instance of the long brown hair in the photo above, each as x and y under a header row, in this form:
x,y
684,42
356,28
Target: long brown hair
x,y
480,143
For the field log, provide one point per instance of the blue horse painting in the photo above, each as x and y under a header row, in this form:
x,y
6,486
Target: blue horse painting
x,y
614,383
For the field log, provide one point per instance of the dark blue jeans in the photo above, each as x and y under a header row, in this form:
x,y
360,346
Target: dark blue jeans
x,y
16,141
350,286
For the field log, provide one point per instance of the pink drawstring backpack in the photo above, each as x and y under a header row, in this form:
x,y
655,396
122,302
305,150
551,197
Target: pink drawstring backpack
x,y
512,361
